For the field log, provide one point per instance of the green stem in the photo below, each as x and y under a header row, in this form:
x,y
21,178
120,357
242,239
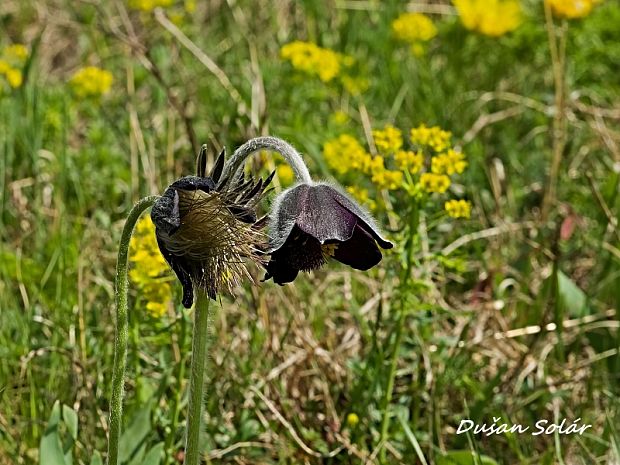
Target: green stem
x,y
179,375
196,382
121,336
414,220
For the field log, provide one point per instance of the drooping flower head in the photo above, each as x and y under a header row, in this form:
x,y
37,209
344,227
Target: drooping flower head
x,y
312,222
206,227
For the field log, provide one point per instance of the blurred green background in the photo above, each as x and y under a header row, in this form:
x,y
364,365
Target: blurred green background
x,y
511,313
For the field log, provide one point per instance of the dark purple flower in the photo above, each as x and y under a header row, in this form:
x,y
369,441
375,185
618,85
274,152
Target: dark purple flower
x,y
311,222
205,232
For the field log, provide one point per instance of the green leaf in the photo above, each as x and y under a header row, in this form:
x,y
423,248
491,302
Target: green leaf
x,y
412,439
70,418
135,434
154,455
138,456
96,459
50,449
572,298
464,457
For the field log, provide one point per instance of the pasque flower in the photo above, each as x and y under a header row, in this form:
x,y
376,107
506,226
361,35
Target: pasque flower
x,y
205,227
314,221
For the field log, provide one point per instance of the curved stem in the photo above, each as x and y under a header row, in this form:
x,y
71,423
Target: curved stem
x,y
121,335
196,382
292,157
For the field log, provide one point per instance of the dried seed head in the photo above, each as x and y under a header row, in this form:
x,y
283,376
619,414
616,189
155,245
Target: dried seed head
x,y
213,242
207,235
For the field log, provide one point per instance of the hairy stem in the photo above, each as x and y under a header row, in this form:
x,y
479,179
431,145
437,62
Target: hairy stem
x,y
196,382
121,335
292,156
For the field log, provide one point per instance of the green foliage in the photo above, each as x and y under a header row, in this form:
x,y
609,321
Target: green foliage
x,y
507,314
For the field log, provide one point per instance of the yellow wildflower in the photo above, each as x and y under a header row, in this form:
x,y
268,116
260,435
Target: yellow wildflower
x,y
389,139
449,163
91,82
354,85
417,49
13,58
375,165
190,6
413,27
362,196
17,52
388,179
490,17
285,174
408,160
149,267
458,208
149,5
339,117
433,137
352,420
572,9
312,59
432,182
345,153
14,77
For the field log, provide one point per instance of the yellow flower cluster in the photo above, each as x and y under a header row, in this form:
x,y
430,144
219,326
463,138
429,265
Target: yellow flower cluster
x,y
458,208
339,117
434,183
413,28
285,174
449,162
91,82
149,271
354,85
324,63
388,139
362,196
345,153
385,178
314,60
12,61
433,137
149,5
572,9
407,160
490,17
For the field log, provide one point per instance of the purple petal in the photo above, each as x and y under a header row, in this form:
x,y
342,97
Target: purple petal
x,y
359,252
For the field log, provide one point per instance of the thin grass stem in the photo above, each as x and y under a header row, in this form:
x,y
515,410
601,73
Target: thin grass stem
x,y
414,220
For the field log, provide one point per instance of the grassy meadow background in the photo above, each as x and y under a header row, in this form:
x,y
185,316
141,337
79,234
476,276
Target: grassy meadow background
x,y
510,313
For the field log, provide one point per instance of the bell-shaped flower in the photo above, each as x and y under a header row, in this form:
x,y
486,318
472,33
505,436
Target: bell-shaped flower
x,y
311,222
